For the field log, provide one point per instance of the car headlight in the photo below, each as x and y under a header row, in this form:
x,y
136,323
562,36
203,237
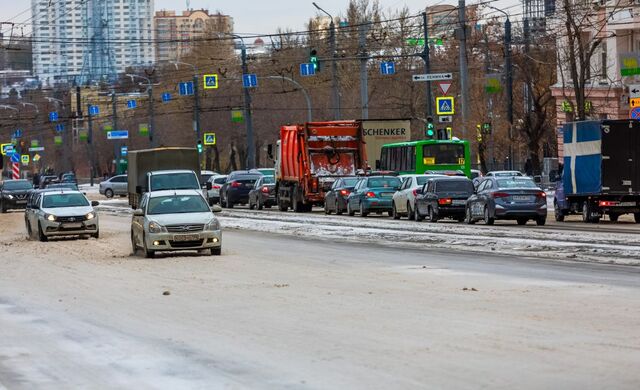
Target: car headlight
x,y
155,227
91,215
10,196
50,217
214,224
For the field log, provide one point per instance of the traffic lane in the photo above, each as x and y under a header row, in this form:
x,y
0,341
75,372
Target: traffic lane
x,y
277,311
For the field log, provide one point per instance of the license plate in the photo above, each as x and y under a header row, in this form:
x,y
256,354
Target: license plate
x,y
71,225
628,204
186,237
386,194
521,198
458,202
21,202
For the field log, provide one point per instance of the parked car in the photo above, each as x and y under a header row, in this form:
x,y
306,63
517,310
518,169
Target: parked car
x,y
116,185
335,200
404,199
14,194
515,197
205,176
60,212
175,220
68,178
213,195
443,197
67,185
374,193
263,193
236,189
45,180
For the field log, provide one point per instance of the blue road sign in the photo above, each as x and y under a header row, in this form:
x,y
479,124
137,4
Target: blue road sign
x,y
94,110
307,69
118,134
388,68
15,157
59,128
186,88
131,104
123,151
634,113
210,81
249,80
18,133
53,116
166,97
445,105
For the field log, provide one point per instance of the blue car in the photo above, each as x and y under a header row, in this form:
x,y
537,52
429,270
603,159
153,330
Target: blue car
x,y
373,194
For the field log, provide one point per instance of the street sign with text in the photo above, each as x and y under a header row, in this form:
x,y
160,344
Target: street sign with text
x,y
118,134
432,77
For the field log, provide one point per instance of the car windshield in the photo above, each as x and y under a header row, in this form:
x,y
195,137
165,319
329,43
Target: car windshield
x,y
443,154
268,180
245,179
349,182
177,204
17,185
174,181
422,180
386,182
506,174
64,200
220,180
516,183
454,186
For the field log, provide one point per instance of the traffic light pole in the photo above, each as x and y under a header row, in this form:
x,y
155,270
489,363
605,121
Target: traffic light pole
x,y
251,148
427,64
90,145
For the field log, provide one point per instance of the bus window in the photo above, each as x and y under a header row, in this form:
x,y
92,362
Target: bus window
x,y
443,154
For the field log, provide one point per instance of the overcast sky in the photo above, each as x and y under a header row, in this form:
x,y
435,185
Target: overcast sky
x,y
255,16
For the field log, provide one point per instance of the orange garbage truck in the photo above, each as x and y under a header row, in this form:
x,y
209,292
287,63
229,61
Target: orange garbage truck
x,y
311,156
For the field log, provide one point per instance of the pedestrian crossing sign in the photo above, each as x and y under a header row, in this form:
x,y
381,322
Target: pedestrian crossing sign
x,y
25,159
445,105
210,81
209,138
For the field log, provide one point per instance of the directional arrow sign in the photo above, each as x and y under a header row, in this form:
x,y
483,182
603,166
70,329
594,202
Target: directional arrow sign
x,y
634,91
432,77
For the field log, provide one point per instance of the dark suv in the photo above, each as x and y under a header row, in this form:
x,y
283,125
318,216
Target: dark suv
x,y
14,194
236,189
443,197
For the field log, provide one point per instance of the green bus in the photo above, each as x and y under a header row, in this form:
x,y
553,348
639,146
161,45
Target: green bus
x,y
417,157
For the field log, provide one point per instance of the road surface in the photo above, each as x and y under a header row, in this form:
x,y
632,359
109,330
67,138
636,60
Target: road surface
x,y
283,311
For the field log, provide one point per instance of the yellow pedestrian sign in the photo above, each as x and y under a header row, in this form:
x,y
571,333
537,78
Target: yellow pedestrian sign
x,y
25,159
36,157
210,81
209,138
445,105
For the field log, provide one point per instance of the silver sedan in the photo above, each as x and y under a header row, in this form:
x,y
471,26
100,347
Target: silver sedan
x,y
61,213
175,221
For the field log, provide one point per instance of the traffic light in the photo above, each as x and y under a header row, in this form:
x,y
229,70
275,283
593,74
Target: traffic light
x,y
313,59
479,133
199,146
486,128
430,130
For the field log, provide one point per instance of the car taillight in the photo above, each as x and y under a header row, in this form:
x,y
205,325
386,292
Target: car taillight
x,y
235,184
607,203
345,192
415,192
500,195
216,187
444,201
265,190
371,194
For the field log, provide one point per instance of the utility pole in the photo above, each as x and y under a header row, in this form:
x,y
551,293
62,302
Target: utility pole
x,y
364,76
509,73
90,145
487,70
334,64
427,64
152,126
196,109
116,146
464,71
251,148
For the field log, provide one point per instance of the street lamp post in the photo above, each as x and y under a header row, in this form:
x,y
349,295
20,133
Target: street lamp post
x,y
334,64
509,80
149,86
196,100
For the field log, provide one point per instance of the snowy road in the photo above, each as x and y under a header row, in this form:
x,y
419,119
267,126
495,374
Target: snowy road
x,y
278,312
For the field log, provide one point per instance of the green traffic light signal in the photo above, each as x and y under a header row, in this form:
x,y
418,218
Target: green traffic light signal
x,y
430,131
313,58
199,147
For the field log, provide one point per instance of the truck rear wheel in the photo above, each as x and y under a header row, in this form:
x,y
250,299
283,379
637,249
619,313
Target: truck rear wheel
x,y
587,210
558,213
613,217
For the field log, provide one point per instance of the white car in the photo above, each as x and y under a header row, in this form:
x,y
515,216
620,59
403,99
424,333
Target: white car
x,y
213,195
404,199
56,213
175,220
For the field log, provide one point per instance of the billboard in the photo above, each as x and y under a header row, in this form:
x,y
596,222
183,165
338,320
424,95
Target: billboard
x,y
384,131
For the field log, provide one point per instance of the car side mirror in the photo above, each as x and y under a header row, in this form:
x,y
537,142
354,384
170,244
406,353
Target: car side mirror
x,y
95,203
139,190
216,208
208,186
138,213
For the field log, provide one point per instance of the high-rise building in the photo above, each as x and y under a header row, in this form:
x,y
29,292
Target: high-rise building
x,y
175,33
90,40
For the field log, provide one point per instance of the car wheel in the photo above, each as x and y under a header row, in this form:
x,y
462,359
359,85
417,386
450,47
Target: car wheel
x,y
250,204
41,235
540,221
216,251
29,231
416,215
282,206
636,217
96,235
338,209
148,253
586,214
134,247
228,203
410,213
432,215
557,212
108,193
3,207
394,212
488,220
522,221
350,212
467,216
614,217
326,208
363,213
259,205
